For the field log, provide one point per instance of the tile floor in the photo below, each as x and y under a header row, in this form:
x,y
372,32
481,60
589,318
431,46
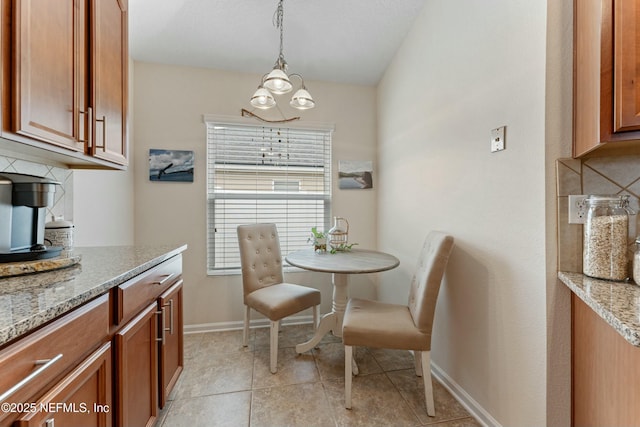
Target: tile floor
x,y
226,384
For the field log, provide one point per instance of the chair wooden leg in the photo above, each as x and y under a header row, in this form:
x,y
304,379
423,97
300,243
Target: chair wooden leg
x,y
428,387
273,345
348,357
245,332
417,355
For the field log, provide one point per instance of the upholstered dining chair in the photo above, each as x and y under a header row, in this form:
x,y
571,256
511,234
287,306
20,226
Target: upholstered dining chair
x,y
403,327
263,284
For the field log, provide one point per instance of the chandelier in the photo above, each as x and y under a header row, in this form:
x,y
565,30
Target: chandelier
x,y
278,81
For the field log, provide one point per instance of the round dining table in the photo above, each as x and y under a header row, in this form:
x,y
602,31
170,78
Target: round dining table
x,y
341,265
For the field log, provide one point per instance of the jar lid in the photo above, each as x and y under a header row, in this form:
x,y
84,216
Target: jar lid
x,y
58,222
621,200
603,197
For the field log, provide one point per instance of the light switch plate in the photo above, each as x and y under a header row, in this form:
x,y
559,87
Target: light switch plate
x,y
497,139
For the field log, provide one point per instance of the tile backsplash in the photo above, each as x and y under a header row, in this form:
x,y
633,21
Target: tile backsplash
x,y
604,175
63,200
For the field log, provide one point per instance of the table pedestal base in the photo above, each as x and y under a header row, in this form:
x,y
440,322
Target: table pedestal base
x,y
327,324
330,322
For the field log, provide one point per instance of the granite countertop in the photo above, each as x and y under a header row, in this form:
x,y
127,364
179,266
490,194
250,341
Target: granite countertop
x,y
30,300
618,303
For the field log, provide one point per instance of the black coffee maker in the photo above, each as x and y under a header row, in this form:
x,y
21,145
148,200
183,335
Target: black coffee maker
x,y
23,203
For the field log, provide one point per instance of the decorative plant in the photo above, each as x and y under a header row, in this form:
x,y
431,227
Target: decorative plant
x,y
342,247
319,239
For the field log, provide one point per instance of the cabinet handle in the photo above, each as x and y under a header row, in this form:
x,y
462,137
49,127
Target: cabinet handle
x,y
45,365
167,278
170,305
104,133
87,126
163,329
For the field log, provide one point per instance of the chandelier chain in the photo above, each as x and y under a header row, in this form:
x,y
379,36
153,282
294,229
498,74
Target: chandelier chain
x,y
278,22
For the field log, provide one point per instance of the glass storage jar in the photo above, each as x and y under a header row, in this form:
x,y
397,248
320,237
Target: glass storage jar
x,y
605,238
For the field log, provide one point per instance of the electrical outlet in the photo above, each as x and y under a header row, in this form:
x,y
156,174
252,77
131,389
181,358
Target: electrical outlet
x,y
577,209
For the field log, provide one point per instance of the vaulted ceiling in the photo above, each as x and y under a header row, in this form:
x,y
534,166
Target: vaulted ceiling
x,y
343,41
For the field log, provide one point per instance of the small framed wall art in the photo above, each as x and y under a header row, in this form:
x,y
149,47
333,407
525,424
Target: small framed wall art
x,y
355,175
170,165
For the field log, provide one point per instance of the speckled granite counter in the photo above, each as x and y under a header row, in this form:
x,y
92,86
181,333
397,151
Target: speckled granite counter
x,y
29,301
618,303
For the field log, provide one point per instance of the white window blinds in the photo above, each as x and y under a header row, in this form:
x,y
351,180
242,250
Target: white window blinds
x,y
261,173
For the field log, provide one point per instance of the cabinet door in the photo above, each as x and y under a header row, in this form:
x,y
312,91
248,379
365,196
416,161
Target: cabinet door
x,y
109,60
50,71
627,65
82,398
606,89
605,374
137,370
171,356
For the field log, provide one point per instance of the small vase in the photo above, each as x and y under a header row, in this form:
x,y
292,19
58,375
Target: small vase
x,y
320,245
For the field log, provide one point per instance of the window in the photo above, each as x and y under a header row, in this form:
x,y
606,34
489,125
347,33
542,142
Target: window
x,y
258,173
284,185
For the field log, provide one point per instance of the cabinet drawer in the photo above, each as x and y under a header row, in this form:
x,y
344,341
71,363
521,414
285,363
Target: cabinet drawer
x,y
132,296
82,398
34,362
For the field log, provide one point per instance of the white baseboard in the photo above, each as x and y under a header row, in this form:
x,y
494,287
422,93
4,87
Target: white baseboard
x,y
463,397
238,325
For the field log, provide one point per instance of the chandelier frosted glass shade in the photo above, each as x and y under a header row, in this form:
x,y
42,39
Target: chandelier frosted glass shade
x,y
302,100
263,99
278,82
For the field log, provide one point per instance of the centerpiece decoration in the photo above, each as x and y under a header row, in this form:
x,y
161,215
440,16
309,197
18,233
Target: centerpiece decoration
x,y
339,235
319,240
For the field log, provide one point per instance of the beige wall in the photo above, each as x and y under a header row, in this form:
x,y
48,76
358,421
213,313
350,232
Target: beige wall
x,y
169,102
465,68
103,203
103,208
559,131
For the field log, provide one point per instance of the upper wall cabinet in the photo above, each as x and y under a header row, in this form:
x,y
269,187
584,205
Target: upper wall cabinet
x,y
109,77
50,73
65,78
606,100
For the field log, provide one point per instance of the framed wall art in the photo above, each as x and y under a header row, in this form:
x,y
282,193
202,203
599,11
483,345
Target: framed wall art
x,y
170,165
355,175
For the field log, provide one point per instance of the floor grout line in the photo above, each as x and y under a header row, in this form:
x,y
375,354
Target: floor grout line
x,y
324,373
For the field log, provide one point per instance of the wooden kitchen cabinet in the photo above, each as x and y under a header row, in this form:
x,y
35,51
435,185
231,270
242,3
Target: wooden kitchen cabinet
x,y
109,61
83,398
171,361
149,345
65,83
111,361
137,370
605,376
50,72
44,357
606,104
